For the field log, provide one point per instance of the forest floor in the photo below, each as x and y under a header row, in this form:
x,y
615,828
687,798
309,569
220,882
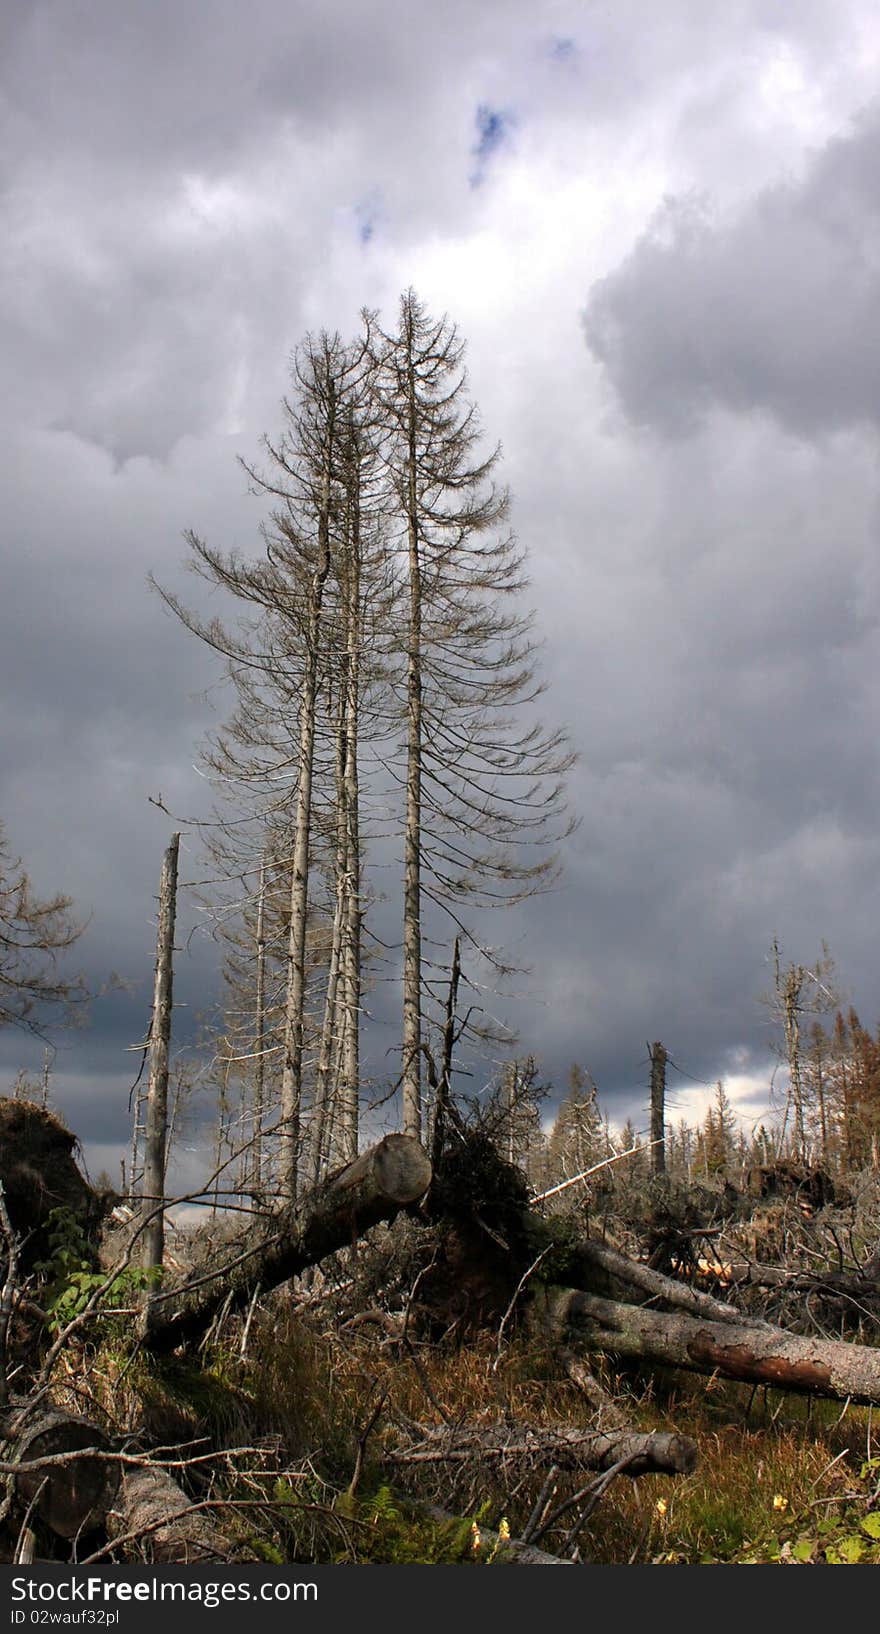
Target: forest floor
x,y
780,1479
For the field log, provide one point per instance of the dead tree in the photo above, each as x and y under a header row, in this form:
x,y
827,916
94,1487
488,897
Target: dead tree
x,y
658,1108
478,783
155,1516
654,1452
160,1036
753,1352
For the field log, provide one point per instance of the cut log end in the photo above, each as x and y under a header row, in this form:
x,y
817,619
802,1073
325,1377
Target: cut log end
x,y
402,1169
69,1498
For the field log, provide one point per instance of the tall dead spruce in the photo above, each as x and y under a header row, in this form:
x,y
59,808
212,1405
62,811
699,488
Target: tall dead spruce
x,y
295,665
156,1133
483,781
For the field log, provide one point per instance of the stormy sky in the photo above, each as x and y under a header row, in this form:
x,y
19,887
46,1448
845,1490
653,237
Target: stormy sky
x,y
659,230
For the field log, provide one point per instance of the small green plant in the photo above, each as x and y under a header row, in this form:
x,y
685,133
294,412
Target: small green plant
x,y
70,1274
389,1532
73,1298
845,1532
68,1245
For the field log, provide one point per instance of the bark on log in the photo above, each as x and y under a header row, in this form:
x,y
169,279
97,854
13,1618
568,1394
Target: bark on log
x,y
168,1528
645,1452
382,1181
657,1285
69,1498
752,1352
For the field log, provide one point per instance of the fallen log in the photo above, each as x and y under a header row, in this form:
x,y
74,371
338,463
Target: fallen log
x,y
69,1495
155,1517
853,1285
375,1187
756,1353
657,1285
643,1452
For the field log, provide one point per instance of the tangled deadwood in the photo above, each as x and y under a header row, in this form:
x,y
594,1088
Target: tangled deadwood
x,y
473,1253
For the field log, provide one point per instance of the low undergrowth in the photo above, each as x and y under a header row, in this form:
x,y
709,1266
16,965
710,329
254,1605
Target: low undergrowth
x,y
302,1425
779,1479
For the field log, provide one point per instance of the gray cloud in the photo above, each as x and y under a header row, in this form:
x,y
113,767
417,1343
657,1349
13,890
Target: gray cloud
x,y
771,310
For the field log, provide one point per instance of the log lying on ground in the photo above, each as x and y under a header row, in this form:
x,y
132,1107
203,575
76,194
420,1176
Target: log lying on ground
x,y
69,1496
757,1353
389,1177
852,1285
657,1285
642,1452
162,1524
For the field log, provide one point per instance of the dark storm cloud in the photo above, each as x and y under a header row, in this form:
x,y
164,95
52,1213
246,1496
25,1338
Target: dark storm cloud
x,y
717,641
772,310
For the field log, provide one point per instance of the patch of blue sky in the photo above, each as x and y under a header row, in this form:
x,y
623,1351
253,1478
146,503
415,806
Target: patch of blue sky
x,y
493,129
367,216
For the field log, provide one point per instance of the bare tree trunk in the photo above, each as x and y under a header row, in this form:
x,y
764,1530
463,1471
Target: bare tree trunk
x,y
658,1109
444,1086
340,1035
260,1038
321,1121
160,1035
412,932
511,1087
349,1085
291,1079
